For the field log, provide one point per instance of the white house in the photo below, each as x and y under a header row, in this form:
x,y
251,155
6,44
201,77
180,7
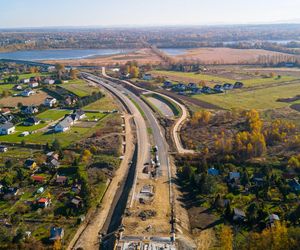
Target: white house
x,y
27,92
50,102
64,125
7,128
33,84
25,80
49,81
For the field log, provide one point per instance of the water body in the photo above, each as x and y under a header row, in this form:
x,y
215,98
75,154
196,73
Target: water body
x,y
59,54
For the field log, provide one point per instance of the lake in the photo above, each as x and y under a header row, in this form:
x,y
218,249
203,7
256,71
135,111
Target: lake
x,y
59,54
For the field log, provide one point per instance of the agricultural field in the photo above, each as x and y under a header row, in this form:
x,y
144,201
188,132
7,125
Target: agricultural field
x,y
212,78
103,104
225,55
263,98
36,99
79,88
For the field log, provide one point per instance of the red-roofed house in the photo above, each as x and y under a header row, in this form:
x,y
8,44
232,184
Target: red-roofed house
x,y
38,178
44,202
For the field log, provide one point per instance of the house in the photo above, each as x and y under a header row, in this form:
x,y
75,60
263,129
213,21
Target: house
x,y
50,102
4,117
34,79
51,69
168,84
76,202
213,171
52,155
238,85
238,215
25,80
12,191
76,188
63,125
5,111
29,110
273,218
7,128
196,91
18,87
25,133
56,233
33,84
31,164
147,77
54,163
49,81
78,114
38,178
234,176
40,190
27,93
227,86
294,184
180,87
219,88
44,202
207,90
192,85
61,179
69,100
3,149
31,121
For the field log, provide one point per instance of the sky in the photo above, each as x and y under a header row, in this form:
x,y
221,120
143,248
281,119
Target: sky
x,y
53,13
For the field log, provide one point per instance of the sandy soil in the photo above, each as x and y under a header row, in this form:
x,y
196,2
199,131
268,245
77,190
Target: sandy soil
x,y
12,101
161,222
87,235
142,56
225,55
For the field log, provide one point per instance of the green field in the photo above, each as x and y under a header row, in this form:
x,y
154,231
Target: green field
x,y
187,77
75,134
266,81
79,88
191,76
264,98
53,114
7,87
103,104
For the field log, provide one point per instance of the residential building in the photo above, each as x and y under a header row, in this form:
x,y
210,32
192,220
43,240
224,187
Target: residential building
x,y
147,77
49,81
31,121
50,102
29,110
27,92
56,233
33,84
7,128
30,164
44,202
3,149
238,215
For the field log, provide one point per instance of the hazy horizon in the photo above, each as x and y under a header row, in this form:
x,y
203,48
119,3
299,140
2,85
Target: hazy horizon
x,y
134,13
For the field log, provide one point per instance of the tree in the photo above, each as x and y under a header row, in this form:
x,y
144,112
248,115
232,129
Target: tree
x,y
57,244
134,72
73,74
226,238
60,68
86,155
56,145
